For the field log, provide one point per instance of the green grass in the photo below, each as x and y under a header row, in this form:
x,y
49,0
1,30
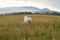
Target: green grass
x,y
43,27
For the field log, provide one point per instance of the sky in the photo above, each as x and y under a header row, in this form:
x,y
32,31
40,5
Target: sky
x,y
50,4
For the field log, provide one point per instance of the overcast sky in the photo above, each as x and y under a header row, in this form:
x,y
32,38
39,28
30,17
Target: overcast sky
x,y
51,4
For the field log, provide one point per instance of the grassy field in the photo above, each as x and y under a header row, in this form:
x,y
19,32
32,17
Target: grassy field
x,y
43,27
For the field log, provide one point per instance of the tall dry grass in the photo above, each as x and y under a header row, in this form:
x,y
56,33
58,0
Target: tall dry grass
x,y
43,27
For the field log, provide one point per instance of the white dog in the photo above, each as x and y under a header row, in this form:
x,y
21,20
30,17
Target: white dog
x,y
27,19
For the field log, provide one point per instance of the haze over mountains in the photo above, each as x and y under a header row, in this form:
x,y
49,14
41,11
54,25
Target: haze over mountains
x,y
23,9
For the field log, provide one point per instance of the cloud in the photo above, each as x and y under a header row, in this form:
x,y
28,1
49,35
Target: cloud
x,y
51,4
6,0
54,4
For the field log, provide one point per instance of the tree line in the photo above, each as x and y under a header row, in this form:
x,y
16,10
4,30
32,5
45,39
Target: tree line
x,y
17,13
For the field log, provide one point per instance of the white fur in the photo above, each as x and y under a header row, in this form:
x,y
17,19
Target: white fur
x,y
27,19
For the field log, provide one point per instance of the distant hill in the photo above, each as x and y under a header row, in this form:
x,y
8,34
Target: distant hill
x,y
24,9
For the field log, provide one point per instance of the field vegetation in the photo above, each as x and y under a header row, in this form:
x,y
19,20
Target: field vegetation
x,y
43,27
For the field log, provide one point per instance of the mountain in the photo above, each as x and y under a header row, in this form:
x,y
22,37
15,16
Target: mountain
x,y
24,9
45,10
19,9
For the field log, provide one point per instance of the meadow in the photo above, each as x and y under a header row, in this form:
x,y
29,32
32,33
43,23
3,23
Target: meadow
x,y
43,27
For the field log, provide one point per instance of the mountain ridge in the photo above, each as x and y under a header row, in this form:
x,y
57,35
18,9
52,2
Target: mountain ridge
x,y
23,9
